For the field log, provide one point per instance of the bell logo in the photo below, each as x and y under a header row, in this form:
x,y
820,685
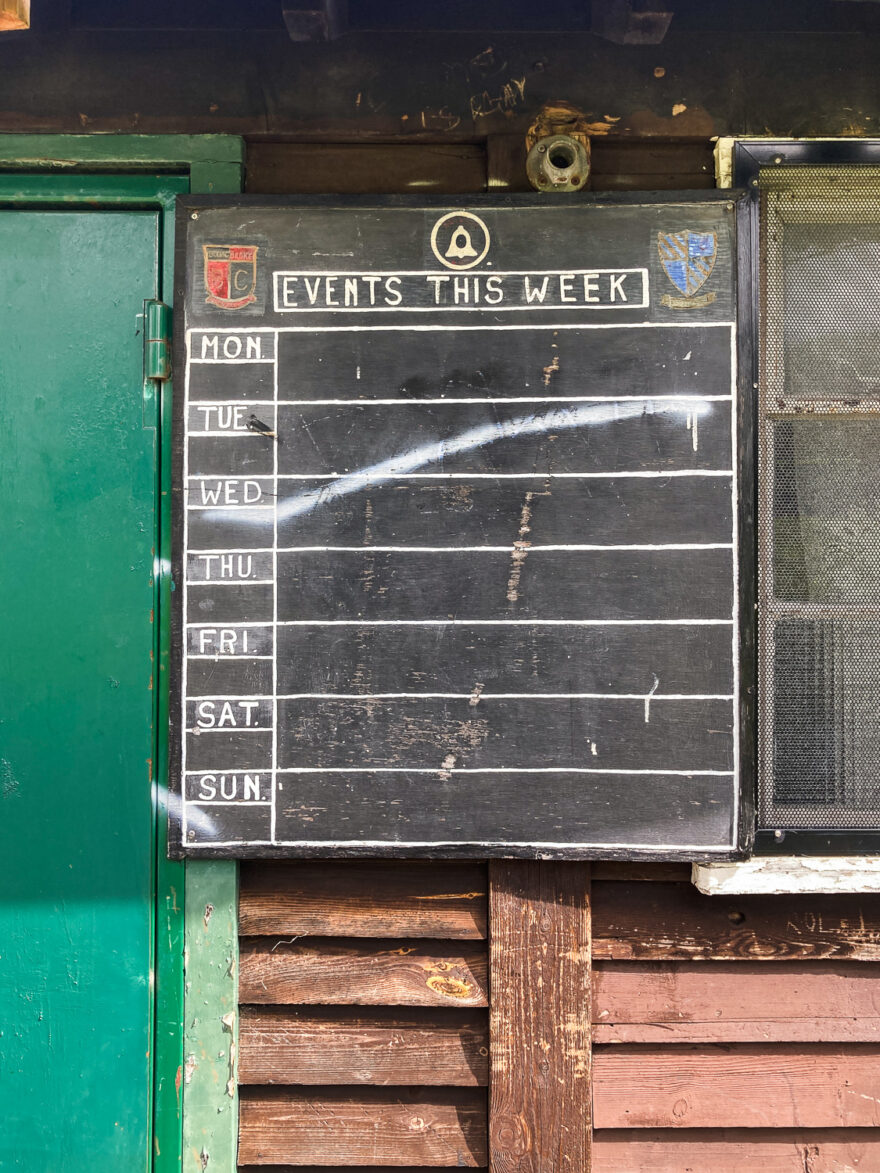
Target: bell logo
x,y
460,240
460,246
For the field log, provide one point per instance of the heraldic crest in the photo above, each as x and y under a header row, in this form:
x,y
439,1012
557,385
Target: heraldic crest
x,y
688,258
230,274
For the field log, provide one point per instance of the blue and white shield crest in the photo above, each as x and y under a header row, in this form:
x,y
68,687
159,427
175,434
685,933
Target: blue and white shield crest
x,y
688,258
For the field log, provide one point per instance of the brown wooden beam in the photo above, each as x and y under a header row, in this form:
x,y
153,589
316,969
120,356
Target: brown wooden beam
x,y
438,86
539,1108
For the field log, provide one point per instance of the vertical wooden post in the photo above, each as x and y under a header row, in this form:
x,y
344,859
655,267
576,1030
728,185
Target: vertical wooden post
x,y
208,1079
539,1106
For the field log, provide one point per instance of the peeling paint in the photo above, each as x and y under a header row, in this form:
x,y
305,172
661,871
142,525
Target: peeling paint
x,y
551,369
8,781
520,548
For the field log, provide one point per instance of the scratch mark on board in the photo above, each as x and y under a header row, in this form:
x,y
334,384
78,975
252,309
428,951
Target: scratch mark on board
x,y
520,549
653,689
693,428
550,370
502,101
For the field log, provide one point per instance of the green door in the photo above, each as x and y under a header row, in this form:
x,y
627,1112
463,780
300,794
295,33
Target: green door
x,y
77,737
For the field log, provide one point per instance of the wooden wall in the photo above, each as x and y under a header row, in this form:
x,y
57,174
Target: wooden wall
x,y
381,1001
725,1033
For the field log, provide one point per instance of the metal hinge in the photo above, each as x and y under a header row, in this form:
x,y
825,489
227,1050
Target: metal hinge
x,y
157,340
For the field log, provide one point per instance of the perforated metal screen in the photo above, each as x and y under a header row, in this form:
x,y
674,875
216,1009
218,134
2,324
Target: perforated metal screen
x,y
819,497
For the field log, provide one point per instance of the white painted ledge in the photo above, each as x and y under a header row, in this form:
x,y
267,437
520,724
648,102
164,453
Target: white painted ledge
x,y
779,874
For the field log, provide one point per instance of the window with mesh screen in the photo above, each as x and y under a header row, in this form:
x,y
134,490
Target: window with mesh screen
x,y
819,497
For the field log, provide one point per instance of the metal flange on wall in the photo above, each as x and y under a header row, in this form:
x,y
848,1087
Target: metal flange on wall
x,y
558,147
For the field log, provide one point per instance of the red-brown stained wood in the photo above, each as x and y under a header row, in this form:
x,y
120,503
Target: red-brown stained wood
x,y
369,1126
539,1114
368,899
785,1086
324,971
281,1045
675,1002
729,1151
664,922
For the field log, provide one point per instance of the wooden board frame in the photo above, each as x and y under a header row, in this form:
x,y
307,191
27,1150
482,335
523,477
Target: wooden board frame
x,y
191,207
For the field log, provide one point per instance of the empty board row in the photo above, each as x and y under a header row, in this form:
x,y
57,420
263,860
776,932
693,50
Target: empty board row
x,y
537,810
378,441
462,363
444,733
463,511
420,659
428,585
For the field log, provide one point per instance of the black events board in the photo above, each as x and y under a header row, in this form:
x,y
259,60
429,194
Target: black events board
x,y
458,536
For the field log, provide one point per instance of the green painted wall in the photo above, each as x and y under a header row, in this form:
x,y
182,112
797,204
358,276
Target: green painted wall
x,y
76,664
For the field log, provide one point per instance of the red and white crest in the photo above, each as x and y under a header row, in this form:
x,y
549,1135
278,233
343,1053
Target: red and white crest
x,y
230,274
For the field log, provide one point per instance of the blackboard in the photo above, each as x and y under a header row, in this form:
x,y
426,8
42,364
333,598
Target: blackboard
x,y
461,512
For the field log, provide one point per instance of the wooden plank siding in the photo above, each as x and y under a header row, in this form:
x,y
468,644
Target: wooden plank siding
x,y
673,921
363,972
364,1026
738,1086
736,1002
737,1054
372,1126
770,1150
285,1045
390,900
758,1049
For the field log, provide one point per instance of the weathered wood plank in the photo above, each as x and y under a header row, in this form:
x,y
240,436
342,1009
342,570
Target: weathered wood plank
x,y
651,166
281,1045
365,973
666,922
786,1086
647,157
506,163
368,1127
819,1002
626,872
730,1151
365,168
355,899
539,1116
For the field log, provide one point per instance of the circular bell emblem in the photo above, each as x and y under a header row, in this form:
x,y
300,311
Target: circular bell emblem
x,y
459,240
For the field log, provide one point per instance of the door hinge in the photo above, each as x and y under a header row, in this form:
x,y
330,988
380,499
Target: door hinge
x,y
157,340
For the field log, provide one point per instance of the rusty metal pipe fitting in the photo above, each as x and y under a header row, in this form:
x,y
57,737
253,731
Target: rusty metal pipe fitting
x,y
558,162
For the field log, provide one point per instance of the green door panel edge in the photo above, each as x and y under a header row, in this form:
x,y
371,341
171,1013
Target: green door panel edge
x,y
213,162
195,938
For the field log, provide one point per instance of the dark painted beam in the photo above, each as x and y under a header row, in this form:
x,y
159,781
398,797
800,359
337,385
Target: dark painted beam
x,y
456,86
